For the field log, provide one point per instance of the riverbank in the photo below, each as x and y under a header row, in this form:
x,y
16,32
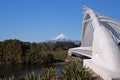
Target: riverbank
x,y
57,63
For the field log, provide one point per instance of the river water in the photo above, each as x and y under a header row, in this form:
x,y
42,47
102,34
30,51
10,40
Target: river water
x,y
21,70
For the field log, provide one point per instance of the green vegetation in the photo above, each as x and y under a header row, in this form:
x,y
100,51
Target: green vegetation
x,y
73,70
9,78
16,51
31,76
59,57
49,74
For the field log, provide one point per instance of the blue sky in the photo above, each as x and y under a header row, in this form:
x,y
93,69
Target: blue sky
x,y
41,20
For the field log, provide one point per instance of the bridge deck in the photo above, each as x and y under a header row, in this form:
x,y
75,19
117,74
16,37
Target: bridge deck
x,y
86,51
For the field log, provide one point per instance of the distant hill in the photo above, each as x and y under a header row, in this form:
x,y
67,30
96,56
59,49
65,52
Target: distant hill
x,y
63,38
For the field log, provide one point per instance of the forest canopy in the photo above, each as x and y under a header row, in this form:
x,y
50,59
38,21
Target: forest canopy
x,y
16,51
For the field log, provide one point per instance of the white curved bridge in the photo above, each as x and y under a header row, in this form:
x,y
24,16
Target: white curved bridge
x,y
99,45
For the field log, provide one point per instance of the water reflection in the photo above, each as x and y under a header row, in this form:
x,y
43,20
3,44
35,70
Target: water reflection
x,y
19,70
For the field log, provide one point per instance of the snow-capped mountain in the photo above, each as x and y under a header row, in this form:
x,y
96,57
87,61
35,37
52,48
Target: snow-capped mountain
x,y
63,38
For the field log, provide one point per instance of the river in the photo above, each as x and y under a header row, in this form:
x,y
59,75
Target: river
x,y
21,70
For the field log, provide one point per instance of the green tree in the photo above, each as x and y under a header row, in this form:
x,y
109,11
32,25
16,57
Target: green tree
x,y
11,51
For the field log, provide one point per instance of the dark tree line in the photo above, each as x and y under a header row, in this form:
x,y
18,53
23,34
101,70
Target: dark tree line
x,y
16,51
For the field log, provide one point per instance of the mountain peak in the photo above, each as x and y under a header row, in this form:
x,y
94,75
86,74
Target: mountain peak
x,y
61,37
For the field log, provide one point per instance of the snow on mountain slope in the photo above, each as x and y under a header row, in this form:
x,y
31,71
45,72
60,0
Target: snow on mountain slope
x,y
61,37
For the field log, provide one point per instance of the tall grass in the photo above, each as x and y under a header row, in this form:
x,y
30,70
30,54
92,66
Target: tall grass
x,y
75,70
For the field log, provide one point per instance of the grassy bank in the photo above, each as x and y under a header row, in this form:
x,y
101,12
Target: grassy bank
x,y
59,57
